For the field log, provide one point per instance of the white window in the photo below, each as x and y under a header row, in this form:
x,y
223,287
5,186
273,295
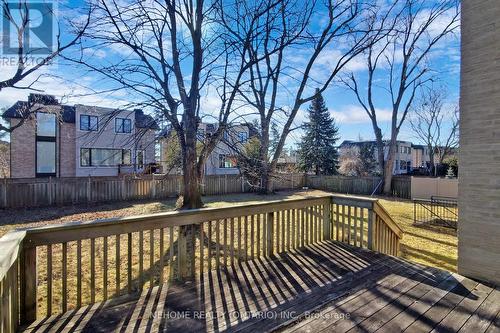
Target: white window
x,y
227,162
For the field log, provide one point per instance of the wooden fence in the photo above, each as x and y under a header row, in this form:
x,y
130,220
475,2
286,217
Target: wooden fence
x,y
52,269
401,185
16,193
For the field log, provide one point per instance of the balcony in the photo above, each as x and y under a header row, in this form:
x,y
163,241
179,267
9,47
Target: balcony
x,y
320,263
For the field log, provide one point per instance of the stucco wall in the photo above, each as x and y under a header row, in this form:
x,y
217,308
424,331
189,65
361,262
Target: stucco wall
x,y
479,186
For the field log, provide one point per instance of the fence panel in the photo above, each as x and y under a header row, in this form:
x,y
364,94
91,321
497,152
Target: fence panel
x,y
343,184
401,187
63,191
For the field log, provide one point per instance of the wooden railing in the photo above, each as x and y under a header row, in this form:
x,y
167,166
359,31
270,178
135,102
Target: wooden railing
x,y
67,266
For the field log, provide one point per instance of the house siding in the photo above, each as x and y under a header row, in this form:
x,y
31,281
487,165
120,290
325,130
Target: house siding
x,y
22,149
479,183
106,137
66,142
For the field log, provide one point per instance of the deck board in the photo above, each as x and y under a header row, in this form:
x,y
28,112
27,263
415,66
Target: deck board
x,y
308,290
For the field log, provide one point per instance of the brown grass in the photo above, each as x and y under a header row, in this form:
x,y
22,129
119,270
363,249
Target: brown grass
x,y
433,246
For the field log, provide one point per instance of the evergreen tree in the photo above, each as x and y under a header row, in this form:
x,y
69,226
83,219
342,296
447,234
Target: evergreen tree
x,y
367,158
318,151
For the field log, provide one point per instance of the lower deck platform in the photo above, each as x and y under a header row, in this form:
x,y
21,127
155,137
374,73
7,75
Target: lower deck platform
x,y
328,287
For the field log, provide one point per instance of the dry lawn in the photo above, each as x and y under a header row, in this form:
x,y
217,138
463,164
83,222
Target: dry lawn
x,y
433,246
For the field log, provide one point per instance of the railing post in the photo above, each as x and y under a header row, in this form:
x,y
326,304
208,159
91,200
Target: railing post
x,y
270,234
371,228
182,255
28,285
327,221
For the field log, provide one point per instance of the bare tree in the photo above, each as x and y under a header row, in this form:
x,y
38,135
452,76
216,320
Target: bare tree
x,y
436,127
291,26
27,61
400,62
168,52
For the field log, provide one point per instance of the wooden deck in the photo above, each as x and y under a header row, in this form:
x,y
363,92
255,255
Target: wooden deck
x,y
328,287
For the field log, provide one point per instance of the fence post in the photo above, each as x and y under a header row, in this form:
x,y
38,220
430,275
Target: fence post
x,y
370,228
154,187
28,285
270,234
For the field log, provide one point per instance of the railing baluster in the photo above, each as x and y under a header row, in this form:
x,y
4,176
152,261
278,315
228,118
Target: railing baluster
x,y
362,227
117,266
141,259
209,245
245,235
370,229
64,277
252,237
231,240
105,268
171,254
92,270
277,230
260,220
225,242
78,273
151,257
217,244
270,234
202,251
162,253
49,280
129,262
355,226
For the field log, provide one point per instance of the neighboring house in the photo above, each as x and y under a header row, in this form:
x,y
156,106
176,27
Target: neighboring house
x,y
287,163
223,159
67,141
402,160
421,160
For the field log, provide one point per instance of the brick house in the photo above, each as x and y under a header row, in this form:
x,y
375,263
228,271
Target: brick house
x,y
402,159
77,141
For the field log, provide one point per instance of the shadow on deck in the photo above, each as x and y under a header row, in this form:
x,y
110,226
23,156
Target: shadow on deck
x,y
326,287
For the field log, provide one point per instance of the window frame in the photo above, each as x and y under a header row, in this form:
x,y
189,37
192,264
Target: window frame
x,y
45,138
89,129
140,165
92,165
244,140
222,162
123,121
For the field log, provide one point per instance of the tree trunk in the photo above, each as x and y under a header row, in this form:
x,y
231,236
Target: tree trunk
x,y
432,165
265,170
388,176
388,168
